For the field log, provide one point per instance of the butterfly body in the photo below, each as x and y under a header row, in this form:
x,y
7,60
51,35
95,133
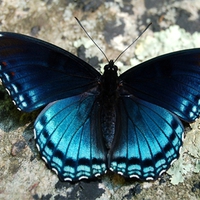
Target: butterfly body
x,y
92,123
108,97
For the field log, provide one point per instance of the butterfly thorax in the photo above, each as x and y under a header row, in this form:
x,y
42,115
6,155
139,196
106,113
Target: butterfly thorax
x,y
108,100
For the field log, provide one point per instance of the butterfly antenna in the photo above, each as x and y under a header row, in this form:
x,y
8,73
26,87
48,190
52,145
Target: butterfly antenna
x,y
92,39
132,43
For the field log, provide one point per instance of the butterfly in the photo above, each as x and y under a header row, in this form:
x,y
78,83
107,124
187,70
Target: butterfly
x,y
129,124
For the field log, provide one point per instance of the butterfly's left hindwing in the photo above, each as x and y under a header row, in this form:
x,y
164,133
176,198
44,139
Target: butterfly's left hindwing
x,y
36,73
67,133
147,140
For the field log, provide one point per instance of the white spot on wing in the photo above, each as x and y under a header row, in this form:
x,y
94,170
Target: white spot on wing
x,y
8,91
120,173
38,148
149,179
82,177
45,160
55,170
173,161
67,179
97,174
163,171
134,176
183,136
180,149
34,133
111,169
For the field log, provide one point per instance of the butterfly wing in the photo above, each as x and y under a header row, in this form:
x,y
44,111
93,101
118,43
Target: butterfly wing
x,y
147,140
67,134
171,81
36,73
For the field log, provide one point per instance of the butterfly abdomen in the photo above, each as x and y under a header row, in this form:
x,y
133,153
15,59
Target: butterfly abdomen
x,y
108,123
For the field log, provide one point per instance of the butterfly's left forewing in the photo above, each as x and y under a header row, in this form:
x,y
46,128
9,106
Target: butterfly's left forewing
x,y
147,140
36,73
67,134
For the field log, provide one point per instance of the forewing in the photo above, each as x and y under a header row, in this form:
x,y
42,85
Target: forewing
x,y
67,134
171,81
148,138
36,73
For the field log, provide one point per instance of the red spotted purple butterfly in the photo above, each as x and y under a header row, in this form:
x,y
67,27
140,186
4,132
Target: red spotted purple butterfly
x,y
129,124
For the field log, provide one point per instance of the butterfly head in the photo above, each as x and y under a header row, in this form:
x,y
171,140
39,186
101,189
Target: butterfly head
x,y
110,70
110,80
110,66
